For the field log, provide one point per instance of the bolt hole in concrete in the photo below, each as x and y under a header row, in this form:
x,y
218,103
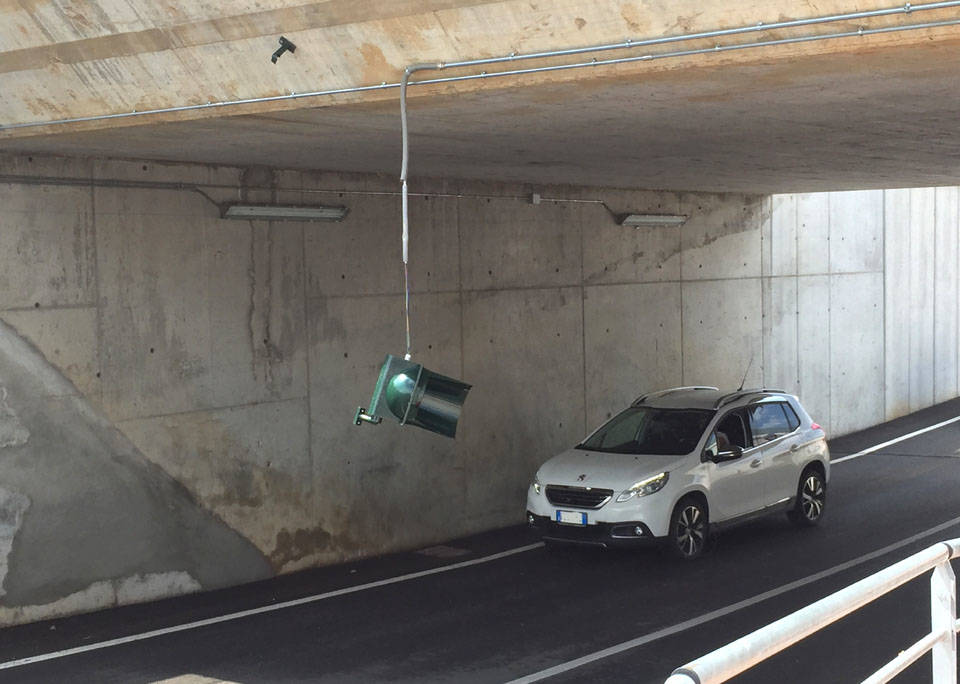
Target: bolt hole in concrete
x,y
36,305
345,354
151,350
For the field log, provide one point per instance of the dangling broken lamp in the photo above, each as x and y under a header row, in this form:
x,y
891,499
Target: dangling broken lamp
x,y
412,395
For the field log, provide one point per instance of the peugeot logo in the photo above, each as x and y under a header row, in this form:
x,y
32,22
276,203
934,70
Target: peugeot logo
x,y
582,477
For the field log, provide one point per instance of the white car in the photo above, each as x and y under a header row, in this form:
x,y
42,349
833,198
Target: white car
x,y
680,461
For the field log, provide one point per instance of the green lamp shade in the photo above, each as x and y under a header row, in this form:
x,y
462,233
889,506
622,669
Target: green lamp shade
x,y
413,395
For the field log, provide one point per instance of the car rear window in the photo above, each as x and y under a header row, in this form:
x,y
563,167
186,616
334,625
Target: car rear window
x,y
791,417
645,430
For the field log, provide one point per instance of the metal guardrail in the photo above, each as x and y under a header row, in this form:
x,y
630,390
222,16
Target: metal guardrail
x,y
742,654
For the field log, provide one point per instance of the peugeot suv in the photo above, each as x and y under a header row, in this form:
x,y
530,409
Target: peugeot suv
x,y
678,462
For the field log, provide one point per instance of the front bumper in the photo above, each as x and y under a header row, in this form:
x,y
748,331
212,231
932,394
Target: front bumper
x,y
626,534
652,512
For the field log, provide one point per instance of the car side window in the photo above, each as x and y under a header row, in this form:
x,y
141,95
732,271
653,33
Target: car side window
x,y
731,432
768,422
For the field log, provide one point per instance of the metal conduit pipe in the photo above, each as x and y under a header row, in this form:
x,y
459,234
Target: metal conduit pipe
x,y
701,51
198,187
409,71
906,8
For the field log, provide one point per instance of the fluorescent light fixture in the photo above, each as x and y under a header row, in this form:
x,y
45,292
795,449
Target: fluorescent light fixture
x,y
272,212
638,220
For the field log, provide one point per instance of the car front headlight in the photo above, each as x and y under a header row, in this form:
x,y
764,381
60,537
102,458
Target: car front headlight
x,y
644,487
536,484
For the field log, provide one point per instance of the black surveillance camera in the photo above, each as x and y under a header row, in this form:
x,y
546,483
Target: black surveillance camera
x,y
285,45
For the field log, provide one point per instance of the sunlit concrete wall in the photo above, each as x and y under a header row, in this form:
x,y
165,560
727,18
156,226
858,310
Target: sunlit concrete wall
x,y
232,355
861,302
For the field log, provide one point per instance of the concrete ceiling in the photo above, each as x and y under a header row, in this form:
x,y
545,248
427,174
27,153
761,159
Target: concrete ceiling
x,y
850,113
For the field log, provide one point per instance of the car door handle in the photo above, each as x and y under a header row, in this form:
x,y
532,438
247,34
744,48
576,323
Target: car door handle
x,y
795,448
755,463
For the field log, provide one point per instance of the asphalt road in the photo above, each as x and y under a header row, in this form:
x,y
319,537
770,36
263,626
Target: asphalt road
x,y
470,614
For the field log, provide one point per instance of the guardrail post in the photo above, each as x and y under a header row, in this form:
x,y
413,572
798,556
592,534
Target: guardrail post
x,y
943,618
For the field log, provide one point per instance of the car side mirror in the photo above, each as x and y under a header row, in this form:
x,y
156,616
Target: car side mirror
x,y
733,454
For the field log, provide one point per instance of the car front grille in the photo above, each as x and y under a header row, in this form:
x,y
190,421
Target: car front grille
x,y
578,497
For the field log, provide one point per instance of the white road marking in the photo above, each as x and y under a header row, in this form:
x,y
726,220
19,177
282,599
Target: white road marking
x,y
878,447
727,610
263,609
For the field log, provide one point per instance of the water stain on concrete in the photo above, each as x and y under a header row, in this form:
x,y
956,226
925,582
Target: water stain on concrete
x,y
107,593
299,544
13,432
375,65
12,507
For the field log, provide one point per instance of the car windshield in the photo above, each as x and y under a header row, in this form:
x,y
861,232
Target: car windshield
x,y
645,430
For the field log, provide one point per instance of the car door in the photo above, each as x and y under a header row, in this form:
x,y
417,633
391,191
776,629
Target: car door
x,y
736,486
776,439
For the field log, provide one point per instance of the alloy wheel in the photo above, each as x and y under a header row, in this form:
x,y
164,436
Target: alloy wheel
x,y
691,530
813,497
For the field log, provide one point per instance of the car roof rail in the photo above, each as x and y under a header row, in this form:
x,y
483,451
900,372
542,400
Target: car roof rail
x,y
661,393
737,394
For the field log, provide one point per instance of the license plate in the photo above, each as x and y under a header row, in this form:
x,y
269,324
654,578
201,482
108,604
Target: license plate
x,y
571,517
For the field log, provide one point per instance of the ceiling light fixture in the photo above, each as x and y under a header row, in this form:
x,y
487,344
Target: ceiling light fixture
x,y
271,212
639,220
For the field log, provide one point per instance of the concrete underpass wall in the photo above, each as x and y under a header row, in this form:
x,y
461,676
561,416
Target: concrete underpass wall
x,y
232,354
861,302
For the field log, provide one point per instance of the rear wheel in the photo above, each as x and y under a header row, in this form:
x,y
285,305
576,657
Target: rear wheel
x,y
811,499
688,529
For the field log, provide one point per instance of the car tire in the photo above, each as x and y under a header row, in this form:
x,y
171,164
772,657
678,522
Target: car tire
x,y
689,529
811,499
